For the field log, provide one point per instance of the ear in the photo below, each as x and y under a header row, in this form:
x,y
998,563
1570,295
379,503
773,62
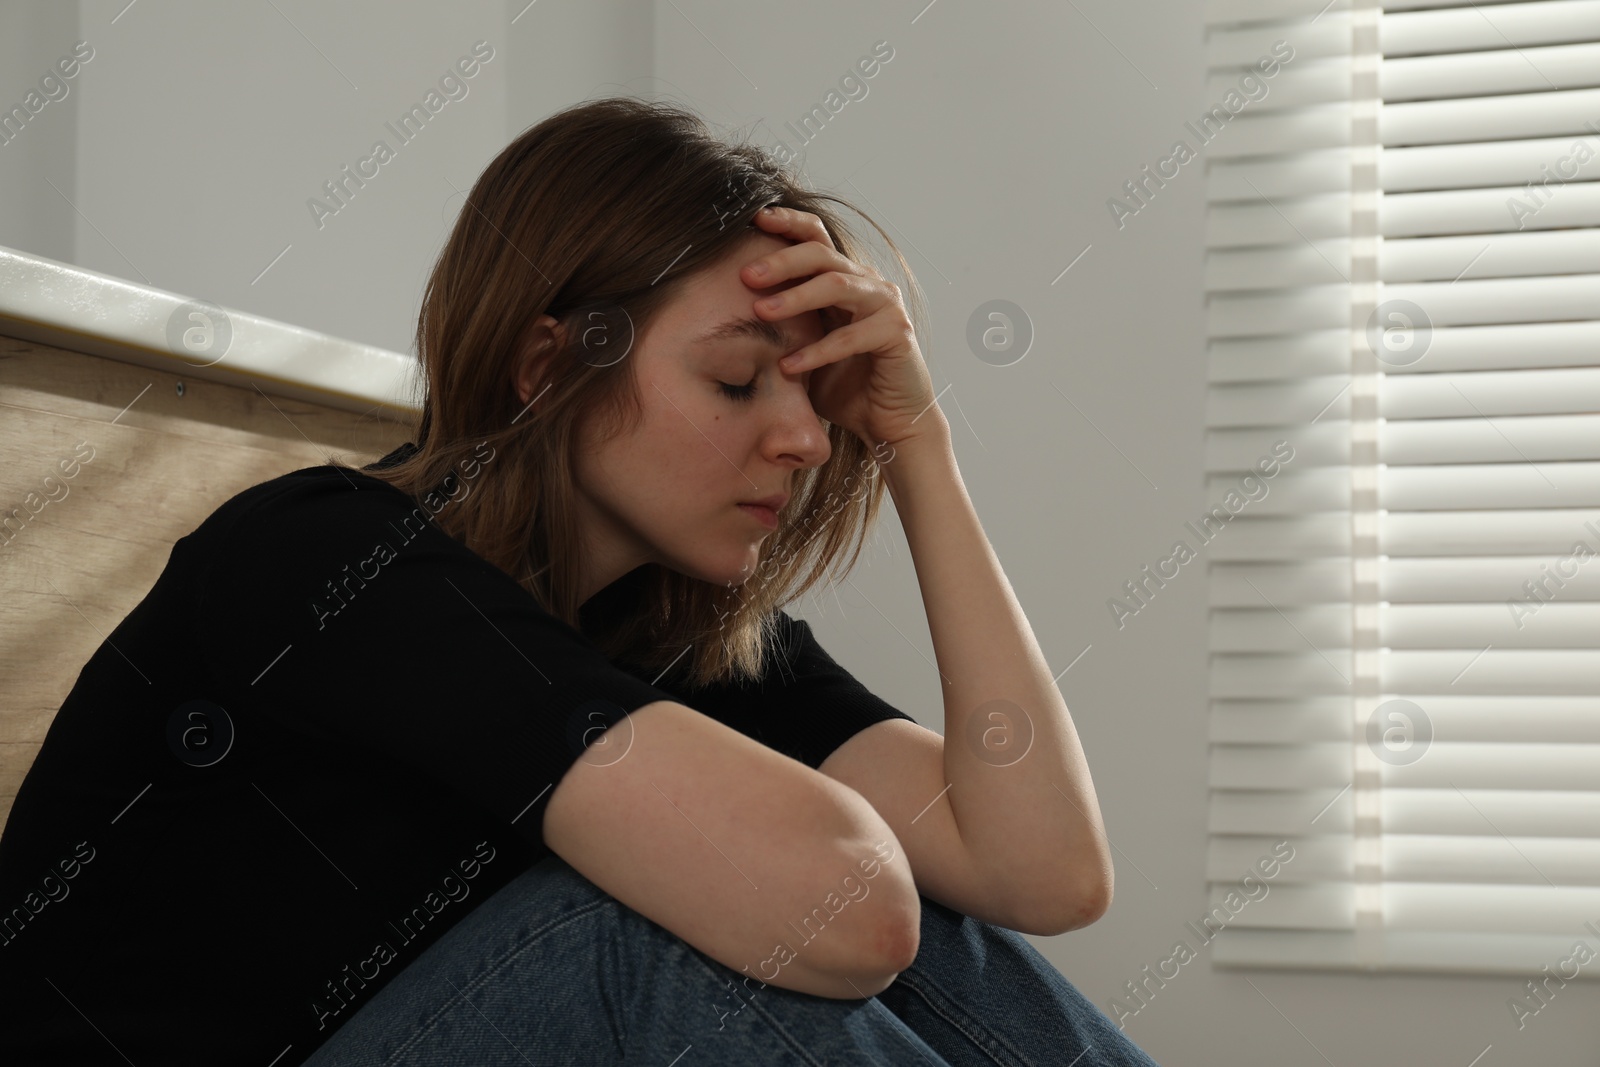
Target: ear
x,y
543,339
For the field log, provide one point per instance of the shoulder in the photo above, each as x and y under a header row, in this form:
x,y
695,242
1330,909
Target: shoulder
x,y
300,498
795,645
798,661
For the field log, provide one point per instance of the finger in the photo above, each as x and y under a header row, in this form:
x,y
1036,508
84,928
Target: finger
x,y
842,343
798,261
849,292
809,230
793,223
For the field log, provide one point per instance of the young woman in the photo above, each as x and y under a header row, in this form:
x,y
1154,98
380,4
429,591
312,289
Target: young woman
x,y
502,750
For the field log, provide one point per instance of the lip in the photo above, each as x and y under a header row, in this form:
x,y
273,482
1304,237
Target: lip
x,y
766,516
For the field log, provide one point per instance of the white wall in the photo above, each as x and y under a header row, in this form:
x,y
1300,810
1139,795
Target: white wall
x,y
41,150
988,146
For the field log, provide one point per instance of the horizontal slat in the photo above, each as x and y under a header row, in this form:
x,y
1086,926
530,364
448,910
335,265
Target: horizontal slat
x,y
1223,13
1292,492
1278,722
1482,859
1250,585
1326,856
1302,809
1325,443
1312,308
1527,624
1280,766
1500,255
1300,174
1549,157
1481,719
1278,266
1415,580
1509,164
1328,35
1478,440
1485,72
1280,221
1410,626
1467,580
1552,391
1504,671
1253,133
1324,355
1474,302
1299,355
1538,909
1453,952
1507,485
1220,13
1448,259
1569,625
1411,906
1549,533
1418,5
1443,765
1328,906
1403,442
1488,27
1488,118
1299,83
1516,813
1524,70
1489,302
1490,859
1519,813
1493,210
1307,218
1290,537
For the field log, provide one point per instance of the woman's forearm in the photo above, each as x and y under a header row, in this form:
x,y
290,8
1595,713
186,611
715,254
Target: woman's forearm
x,y
1019,784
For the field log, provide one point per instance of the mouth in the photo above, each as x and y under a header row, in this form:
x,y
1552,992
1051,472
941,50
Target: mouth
x,y
764,515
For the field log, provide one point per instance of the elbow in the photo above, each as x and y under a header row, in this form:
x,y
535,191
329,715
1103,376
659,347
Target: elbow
x,y
901,943
894,948
1058,912
1092,904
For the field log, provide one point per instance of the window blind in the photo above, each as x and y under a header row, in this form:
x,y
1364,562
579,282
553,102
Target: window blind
x,y
1403,284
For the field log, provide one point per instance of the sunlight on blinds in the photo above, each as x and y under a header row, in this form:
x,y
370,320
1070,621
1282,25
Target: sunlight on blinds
x,y
1403,284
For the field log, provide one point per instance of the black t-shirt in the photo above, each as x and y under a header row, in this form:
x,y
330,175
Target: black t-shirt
x,y
327,733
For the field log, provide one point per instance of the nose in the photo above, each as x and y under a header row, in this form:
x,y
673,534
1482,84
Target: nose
x,y
797,436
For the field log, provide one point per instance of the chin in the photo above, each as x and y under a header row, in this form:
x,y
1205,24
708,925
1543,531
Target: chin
x,y
747,566
731,569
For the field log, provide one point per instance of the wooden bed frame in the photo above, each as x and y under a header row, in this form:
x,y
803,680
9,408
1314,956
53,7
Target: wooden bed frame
x,y
104,463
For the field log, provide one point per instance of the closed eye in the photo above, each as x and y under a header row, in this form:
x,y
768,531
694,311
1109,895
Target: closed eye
x,y
738,392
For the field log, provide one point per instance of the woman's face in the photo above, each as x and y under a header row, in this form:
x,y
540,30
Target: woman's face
x,y
722,424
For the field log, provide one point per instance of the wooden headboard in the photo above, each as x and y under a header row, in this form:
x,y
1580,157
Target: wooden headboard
x,y
113,446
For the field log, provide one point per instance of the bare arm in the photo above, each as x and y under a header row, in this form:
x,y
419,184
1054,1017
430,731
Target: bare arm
x,y
1018,784
755,859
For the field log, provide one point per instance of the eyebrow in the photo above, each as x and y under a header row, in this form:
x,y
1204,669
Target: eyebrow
x,y
769,333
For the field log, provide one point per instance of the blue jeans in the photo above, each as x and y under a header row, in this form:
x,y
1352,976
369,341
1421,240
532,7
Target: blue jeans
x,y
552,970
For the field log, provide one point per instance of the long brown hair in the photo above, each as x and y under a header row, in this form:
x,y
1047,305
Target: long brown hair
x,y
597,216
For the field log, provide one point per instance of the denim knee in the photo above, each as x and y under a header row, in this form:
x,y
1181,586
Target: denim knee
x,y
555,970
536,941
